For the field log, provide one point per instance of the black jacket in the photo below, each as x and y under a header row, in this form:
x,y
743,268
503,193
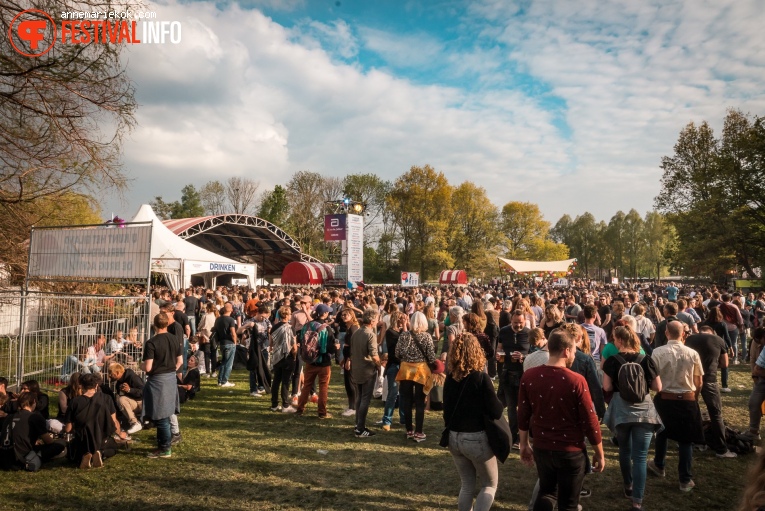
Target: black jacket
x,y
134,382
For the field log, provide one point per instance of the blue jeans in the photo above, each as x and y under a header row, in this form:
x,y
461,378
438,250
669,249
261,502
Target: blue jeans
x,y
634,440
163,433
684,460
227,351
734,342
193,324
390,401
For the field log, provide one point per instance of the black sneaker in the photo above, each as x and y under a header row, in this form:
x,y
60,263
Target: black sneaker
x,y
584,493
365,433
628,492
176,439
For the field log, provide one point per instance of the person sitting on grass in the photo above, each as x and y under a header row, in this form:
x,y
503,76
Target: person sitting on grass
x,y
189,385
41,398
66,395
129,394
92,418
19,435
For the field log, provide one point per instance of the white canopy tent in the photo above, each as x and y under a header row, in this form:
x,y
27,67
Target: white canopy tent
x,y
178,259
537,266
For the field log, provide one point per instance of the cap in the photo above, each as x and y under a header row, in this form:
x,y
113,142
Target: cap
x,y
322,309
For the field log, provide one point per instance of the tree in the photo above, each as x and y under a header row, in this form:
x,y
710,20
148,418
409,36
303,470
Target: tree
x,y
614,238
472,232
190,205
633,242
213,198
658,236
370,190
305,193
712,192
420,204
275,207
527,234
163,210
63,116
583,237
242,195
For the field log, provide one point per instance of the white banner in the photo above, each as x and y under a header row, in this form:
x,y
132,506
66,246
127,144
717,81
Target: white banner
x,y
103,252
353,248
196,267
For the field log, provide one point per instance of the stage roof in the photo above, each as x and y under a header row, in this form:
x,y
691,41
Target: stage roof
x,y
247,239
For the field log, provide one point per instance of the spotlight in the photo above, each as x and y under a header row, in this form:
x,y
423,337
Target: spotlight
x,y
358,208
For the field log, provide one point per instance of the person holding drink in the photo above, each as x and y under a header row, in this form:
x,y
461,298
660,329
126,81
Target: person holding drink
x,y
512,350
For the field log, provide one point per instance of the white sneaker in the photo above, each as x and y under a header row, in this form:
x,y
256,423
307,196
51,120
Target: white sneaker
x,y
134,428
725,390
728,454
348,413
255,394
289,409
228,384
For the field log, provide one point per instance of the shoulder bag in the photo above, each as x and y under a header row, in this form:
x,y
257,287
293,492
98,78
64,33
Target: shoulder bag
x,y
498,434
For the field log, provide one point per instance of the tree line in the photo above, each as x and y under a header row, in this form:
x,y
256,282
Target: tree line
x,y
422,222
708,218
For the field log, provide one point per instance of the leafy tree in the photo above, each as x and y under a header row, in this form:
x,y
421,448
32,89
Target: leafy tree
x,y
712,192
527,234
213,198
190,205
633,242
472,232
163,210
420,204
305,193
275,207
63,116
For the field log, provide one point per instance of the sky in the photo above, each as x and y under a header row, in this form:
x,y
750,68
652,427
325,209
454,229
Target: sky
x,y
569,104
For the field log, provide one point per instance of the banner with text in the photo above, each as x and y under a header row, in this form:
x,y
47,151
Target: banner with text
x,y
91,253
334,227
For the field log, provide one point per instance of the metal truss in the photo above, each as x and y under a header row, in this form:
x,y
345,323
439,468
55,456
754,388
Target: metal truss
x,y
210,223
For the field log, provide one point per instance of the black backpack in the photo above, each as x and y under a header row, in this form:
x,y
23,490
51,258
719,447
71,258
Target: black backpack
x,y
632,384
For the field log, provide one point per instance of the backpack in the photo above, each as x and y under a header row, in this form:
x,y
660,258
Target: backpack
x,y
314,342
632,384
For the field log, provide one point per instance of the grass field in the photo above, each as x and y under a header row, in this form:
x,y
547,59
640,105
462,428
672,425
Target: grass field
x,y
236,454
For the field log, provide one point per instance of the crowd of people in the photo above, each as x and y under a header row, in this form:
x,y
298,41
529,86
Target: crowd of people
x,y
559,362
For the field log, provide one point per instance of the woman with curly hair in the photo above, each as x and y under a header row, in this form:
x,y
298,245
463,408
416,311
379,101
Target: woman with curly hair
x,y
754,493
472,324
468,396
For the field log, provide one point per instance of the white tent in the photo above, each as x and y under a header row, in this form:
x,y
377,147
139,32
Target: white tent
x,y
178,259
537,266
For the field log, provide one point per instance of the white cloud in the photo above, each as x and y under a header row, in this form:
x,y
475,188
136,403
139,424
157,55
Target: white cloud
x,y
243,95
632,74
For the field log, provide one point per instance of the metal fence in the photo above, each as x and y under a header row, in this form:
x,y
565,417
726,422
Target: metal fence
x,y
55,327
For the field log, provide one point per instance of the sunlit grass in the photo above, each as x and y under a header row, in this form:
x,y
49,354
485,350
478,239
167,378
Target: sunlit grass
x,y
236,454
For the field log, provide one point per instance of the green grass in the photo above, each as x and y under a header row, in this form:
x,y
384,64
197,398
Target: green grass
x,y
236,454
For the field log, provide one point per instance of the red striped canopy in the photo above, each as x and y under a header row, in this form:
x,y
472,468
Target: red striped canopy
x,y
306,274
450,277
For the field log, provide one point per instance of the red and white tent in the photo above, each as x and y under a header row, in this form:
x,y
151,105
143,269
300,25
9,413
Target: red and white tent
x,y
452,277
306,274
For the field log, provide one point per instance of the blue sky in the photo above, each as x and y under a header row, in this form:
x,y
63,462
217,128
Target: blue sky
x,y
568,104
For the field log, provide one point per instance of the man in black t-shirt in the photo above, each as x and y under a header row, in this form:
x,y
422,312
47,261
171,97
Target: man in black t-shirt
x,y
225,330
191,307
514,340
176,328
26,427
161,359
713,354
